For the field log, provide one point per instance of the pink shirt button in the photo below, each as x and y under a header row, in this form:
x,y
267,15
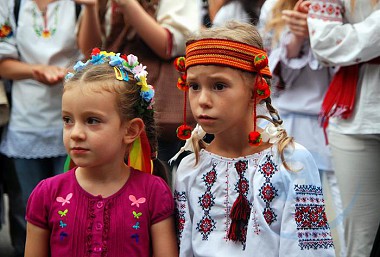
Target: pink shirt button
x,y
97,249
100,204
99,226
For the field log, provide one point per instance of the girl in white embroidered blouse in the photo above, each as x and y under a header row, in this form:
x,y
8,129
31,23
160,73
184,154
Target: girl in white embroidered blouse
x,y
252,191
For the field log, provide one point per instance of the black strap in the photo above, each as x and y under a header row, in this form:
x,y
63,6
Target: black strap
x,y
16,10
78,8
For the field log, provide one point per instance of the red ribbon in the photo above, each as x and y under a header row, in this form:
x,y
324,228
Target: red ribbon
x,y
340,97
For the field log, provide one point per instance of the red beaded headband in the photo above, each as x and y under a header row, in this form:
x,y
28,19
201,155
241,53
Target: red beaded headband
x,y
224,52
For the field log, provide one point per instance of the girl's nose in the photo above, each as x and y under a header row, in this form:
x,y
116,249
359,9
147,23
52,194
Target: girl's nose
x,y
77,132
204,98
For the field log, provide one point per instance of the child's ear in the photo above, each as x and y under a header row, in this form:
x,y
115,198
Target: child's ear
x,y
133,130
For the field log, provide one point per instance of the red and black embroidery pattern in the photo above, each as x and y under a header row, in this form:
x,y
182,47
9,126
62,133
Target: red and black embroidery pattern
x,y
313,229
180,211
207,224
327,10
267,191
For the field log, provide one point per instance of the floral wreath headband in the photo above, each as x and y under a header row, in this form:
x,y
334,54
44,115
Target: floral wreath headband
x,y
122,65
140,156
230,53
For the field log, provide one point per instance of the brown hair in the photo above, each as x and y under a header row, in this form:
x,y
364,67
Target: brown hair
x,y
129,103
248,34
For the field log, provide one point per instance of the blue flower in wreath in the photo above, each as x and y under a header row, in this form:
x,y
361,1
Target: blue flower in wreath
x,y
147,95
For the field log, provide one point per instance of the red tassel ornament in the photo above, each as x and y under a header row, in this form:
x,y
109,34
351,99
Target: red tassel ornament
x,y
184,132
181,83
263,90
254,138
260,62
240,213
180,64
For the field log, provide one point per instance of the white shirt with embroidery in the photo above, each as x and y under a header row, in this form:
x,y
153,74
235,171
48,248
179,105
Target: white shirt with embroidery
x,y
287,216
341,36
35,127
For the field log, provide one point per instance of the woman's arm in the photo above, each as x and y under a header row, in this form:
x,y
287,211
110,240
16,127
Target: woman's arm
x,y
153,34
336,42
89,34
164,240
17,70
37,241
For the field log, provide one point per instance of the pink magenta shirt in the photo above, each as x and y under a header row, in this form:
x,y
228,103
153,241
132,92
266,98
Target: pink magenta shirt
x,y
85,225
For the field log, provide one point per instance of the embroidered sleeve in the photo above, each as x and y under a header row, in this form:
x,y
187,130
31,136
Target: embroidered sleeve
x,y
335,42
7,31
304,227
37,210
183,216
180,18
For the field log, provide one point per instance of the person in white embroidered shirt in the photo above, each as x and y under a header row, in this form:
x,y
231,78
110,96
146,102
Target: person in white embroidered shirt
x,y
251,191
347,34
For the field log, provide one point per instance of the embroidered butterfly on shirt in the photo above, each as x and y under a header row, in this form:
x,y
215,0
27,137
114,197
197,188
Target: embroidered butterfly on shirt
x,y
136,215
137,225
63,200
136,201
62,224
62,235
63,213
136,237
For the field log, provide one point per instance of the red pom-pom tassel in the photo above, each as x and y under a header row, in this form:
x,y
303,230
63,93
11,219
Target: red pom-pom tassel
x,y
179,64
262,87
181,83
260,61
184,132
254,138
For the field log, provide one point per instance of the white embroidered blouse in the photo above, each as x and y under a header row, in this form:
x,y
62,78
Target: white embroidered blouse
x,y
341,36
287,216
35,127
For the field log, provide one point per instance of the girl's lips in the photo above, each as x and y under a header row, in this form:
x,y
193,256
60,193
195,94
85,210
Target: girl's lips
x,y
205,117
205,120
78,150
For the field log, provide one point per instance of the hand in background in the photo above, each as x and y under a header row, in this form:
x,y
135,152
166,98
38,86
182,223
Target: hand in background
x,y
296,19
49,75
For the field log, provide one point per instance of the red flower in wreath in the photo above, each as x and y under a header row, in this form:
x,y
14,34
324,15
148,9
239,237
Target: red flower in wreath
x,y
184,132
95,51
254,138
124,56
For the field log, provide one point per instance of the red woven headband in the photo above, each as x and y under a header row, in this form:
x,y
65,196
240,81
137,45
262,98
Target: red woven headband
x,y
226,52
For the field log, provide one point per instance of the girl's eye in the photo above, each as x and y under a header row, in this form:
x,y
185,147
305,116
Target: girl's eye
x,y
66,120
93,121
219,86
194,86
